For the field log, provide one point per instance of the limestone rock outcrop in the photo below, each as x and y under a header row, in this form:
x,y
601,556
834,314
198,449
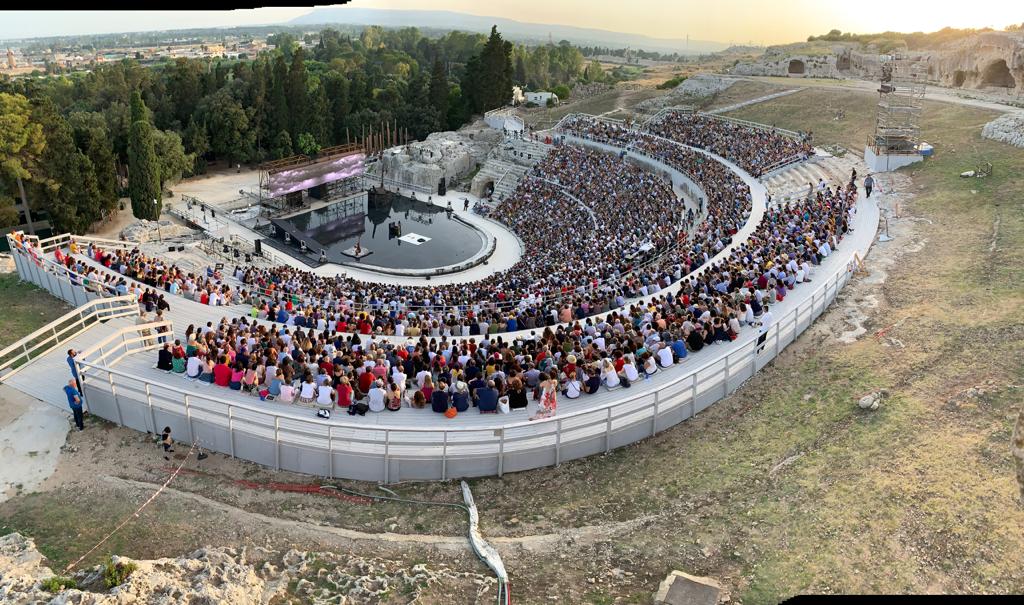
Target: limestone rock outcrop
x,y
236,576
450,155
143,231
692,89
1008,128
991,61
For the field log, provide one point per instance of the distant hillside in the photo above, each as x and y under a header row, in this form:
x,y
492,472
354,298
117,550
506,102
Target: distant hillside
x,y
515,30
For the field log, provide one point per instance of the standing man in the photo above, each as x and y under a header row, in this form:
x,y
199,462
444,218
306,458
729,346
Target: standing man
x,y
766,321
75,403
869,183
74,369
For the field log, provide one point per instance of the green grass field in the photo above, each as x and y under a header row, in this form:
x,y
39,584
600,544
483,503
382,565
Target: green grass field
x,y
25,308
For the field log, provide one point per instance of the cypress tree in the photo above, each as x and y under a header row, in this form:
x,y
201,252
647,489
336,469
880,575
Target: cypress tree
x,y
143,167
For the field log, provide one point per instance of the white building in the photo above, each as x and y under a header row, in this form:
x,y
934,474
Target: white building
x,y
541,98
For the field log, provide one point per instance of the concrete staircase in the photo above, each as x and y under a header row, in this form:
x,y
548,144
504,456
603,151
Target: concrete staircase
x,y
791,183
506,165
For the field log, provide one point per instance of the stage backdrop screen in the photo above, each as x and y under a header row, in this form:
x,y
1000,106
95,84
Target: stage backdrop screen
x,y
318,173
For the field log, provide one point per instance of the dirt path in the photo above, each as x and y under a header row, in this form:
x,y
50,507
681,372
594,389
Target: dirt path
x,y
932,93
31,436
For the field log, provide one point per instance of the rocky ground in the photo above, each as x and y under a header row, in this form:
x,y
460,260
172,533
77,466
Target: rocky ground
x,y
1007,128
229,575
691,91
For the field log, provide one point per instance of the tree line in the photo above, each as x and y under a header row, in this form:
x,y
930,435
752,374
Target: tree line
x,y
72,145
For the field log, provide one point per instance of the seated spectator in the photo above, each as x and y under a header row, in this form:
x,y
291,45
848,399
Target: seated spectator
x,y
307,390
460,398
665,358
237,374
487,398
650,366
344,390
178,363
609,376
439,399
418,400
375,398
165,360
517,399
629,373
393,401
287,393
207,366
194,366
325,395
573,388
222,373
428,388
593,382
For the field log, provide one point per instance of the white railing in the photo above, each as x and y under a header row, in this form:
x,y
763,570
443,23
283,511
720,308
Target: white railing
x,y
34,267
284,440
103,354
14,357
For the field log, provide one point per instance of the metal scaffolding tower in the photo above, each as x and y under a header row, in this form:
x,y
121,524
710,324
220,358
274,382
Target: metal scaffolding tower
x,y
900,100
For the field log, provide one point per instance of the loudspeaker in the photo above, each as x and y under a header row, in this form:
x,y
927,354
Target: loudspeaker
x,y
248,258
181,248
171,248
259,248
236,253
227,248
441,187
213,213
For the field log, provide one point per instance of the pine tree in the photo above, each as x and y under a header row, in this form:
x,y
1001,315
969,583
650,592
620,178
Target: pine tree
x,y
282,146
22,142
67,186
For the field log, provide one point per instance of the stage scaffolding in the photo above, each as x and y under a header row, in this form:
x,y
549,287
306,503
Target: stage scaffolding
x,y
900,101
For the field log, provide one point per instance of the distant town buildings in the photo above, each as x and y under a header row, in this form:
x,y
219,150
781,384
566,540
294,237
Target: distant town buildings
x,y
56,59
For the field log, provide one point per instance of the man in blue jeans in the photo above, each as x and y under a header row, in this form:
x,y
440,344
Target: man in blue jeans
x,y
74,369
75,403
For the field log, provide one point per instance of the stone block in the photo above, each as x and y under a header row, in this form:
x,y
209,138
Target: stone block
x,y
681,588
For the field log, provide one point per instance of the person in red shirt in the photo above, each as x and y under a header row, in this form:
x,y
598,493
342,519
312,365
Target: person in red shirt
x,y
344,390
204,298
570,367
222,373
365,381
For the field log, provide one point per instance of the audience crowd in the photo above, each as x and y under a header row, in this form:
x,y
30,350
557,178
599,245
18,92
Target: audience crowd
x,y
752,149
597,229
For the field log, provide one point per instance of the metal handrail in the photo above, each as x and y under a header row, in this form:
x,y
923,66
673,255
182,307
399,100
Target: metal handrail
x,y
96,310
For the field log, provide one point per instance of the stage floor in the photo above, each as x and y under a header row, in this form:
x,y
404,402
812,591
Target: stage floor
x,y
394,232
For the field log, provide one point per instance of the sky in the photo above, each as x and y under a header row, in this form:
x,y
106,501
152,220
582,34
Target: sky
x,y
731,21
